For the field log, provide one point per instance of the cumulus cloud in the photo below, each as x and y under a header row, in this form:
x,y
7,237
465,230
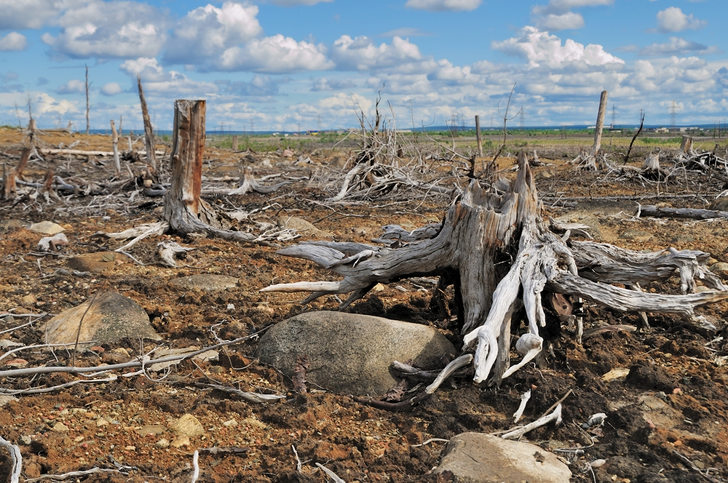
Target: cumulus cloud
x,y
324,84
208,31
677,46
360,53
672,19
276,54
103,29
33,14
561,21
156,79
74,86
558,15
111,89
443,5
13,42
45,104
542,49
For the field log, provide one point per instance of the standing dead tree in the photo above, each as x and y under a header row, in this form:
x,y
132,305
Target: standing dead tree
x,y
501,256
148,131
185,211
594,158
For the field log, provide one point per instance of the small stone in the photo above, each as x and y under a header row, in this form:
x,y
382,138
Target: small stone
x,y
78,439
59,428
181,441
151,429
101,422
46,228
187,425
230,307
720,268
28,299
162,443
26,440
230,423
130,448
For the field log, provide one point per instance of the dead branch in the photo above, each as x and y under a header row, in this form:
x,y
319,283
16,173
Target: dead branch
x,y
692,213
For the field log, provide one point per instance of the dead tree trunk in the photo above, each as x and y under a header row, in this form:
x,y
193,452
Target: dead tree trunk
x,y
600,123
148,132
477,135
184,210
115,147
505,257
594,158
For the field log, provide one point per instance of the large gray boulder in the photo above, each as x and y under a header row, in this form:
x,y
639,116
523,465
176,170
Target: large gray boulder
x,y
351,353
483,458
106,318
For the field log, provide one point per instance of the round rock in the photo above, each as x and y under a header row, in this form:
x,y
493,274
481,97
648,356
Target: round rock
x,y
351,353
484,458
107,318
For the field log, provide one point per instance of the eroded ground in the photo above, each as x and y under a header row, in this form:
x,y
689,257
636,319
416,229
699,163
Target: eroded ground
x,y
670,413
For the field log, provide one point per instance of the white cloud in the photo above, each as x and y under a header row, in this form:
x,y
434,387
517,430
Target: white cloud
x,y
157,80
443,5
111,89
74,86
546,50
104,29
32,14
677,46
557,14
561,21
44,104
361,53
208,31
672,19
276,54
13,42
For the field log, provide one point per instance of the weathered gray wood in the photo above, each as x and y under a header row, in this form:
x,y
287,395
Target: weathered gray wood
x,y
600,123
693,213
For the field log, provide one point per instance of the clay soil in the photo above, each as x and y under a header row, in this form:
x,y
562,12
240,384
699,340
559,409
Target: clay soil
x,y
666,406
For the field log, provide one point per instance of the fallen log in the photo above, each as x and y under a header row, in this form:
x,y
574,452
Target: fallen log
x,y
692,213
504,258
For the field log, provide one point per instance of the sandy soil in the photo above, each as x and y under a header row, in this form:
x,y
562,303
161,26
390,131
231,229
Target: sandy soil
x,y
669,414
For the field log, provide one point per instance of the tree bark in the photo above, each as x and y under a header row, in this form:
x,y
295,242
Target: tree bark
x,y
148,131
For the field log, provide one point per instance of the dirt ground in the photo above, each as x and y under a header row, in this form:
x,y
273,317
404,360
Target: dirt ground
x,y
666,421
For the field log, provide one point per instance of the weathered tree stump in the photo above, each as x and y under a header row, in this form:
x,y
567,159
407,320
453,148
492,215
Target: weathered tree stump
x,y
184,209
502,256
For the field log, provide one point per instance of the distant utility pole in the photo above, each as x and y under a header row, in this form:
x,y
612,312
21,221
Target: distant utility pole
x,y
87,104
614,109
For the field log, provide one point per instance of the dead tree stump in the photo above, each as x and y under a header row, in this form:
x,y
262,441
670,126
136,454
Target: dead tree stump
x,y
502,256
184,209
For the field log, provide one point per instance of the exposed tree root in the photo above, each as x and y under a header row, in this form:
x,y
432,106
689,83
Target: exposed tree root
x,y
505,257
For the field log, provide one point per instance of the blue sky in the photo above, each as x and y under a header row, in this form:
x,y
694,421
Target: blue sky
x,y
315,64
